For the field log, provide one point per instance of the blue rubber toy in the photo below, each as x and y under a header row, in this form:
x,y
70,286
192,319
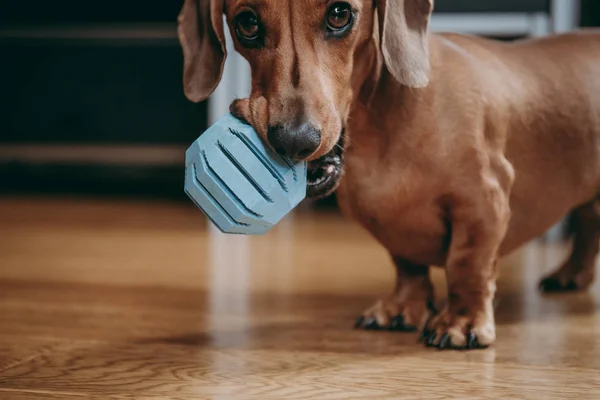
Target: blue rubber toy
x,y
241,185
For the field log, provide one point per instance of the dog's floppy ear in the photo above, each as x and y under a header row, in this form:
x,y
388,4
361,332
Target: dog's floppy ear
x,y
403,33
202,38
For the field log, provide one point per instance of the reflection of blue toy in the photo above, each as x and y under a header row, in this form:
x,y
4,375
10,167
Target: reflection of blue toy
x,y
238,182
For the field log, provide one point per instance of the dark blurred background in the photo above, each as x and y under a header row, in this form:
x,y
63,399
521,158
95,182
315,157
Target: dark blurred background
x,y
91,96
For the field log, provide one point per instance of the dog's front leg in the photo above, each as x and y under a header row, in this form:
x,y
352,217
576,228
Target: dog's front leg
x,y
478,228
408,307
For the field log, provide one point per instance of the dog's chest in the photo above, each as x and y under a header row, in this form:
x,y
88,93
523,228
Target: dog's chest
x,y
396,207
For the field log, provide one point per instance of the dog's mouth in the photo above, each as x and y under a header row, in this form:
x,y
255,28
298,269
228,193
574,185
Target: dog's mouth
x,y
324,174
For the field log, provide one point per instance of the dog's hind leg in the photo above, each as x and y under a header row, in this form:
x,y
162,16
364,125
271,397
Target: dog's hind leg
x,y
409,306
578,270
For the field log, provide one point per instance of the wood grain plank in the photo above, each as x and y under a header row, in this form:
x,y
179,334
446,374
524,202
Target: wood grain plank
x,y
159,370
121,300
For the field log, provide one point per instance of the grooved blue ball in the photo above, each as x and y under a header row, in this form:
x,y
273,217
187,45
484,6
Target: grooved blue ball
x,y
241,185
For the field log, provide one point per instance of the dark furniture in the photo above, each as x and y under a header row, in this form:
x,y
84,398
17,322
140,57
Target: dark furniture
x,y
91,92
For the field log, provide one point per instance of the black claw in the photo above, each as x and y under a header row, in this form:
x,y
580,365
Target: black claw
x,y
551,285
444,342
428,337
431,339
571,286
371,324
472,342
397,323
359,322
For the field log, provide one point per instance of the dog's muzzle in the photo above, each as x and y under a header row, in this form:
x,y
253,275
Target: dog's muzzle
x,y
324,174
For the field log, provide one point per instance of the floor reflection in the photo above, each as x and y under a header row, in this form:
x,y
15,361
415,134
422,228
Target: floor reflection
x,y
108,298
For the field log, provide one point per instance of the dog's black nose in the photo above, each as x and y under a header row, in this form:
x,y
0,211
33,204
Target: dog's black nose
x,y
294,142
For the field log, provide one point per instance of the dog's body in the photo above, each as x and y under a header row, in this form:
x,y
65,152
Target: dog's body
x,y
457,149
494,113
508,133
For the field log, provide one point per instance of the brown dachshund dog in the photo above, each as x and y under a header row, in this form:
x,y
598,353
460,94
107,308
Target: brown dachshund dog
x,y
454,150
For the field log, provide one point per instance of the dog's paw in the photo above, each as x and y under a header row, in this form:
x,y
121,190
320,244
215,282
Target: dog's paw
x,y
456,332
553,284
563,281
389,315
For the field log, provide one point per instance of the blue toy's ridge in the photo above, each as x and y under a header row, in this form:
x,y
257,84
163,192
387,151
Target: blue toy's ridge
x,y
260,156
239,183
246,174
227,189
214,203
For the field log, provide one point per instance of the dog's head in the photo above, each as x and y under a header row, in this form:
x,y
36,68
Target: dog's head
x,y
303,55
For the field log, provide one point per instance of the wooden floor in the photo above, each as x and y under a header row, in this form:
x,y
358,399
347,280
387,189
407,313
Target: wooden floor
x,y
114,300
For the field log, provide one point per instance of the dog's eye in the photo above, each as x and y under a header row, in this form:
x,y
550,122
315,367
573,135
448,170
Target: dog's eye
x,y
247,26
339,17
